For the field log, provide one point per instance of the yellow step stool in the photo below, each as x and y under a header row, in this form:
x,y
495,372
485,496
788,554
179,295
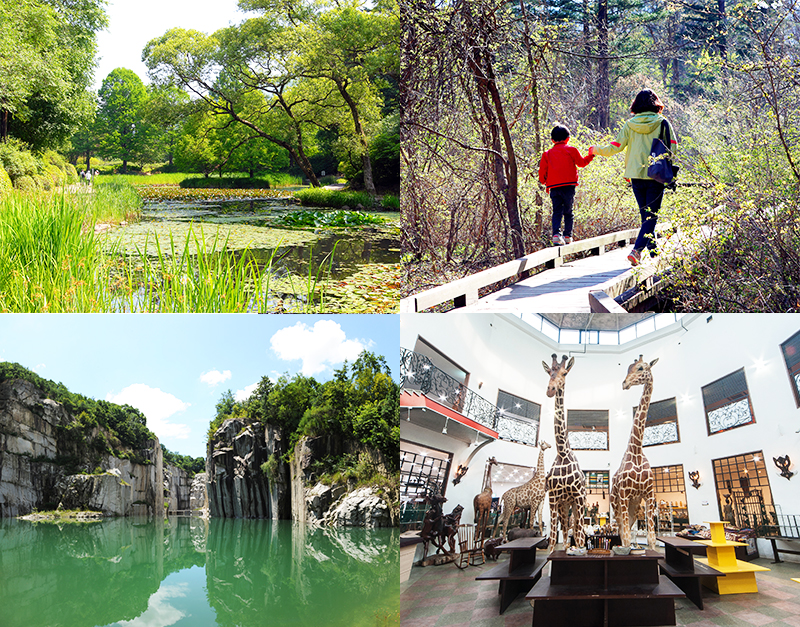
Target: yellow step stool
x,y
739,576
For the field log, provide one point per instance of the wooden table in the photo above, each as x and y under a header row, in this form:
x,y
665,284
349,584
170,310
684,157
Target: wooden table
x,y
604,591
520,572
679,565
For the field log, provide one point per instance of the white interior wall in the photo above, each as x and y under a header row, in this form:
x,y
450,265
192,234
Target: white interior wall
x,y
502,352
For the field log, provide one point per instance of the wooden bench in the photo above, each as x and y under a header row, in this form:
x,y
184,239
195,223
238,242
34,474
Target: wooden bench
x,y
679,565
776,550
520,572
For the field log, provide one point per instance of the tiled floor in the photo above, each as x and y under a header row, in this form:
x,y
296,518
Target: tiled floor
x,y
444,595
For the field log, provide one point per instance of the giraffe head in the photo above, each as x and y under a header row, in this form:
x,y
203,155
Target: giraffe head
x,y
491,461
543,445
558,371
638,373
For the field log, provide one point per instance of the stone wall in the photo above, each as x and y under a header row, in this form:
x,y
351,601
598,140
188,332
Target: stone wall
x,y
177,488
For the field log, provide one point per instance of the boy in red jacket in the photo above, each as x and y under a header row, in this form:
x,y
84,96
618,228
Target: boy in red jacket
x,y
558,170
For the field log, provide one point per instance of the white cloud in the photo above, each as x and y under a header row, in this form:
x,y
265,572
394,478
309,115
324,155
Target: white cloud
x,y
243,395
157,406
38,368
215,377
318,347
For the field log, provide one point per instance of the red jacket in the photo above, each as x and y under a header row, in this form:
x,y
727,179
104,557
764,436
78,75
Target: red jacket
x,y
559,165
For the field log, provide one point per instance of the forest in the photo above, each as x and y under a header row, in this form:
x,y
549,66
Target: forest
x,y
483,82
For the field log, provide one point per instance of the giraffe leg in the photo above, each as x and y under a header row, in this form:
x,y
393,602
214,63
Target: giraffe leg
x,y
553,523
578,505
563,515
651,514
633,516
624,521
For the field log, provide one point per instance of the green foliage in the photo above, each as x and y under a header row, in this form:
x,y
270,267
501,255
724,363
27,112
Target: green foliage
x,y
123,422
317,197
124,132
17,160
330,218
225,183
192,465
6,186
270,467
26,184
391,202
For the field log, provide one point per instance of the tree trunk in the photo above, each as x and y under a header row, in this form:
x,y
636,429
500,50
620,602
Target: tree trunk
x,y
369,185
722,44
3,126
479,59
603,101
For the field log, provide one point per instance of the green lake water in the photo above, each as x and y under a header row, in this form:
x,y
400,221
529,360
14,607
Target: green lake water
x,y
190,571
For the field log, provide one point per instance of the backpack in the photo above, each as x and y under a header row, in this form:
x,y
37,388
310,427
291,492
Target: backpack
x,y
660,166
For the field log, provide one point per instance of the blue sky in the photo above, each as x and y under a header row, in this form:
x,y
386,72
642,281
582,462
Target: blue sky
x,y
133,24
175,367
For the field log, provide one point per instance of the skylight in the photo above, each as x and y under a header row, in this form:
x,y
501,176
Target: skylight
x,y
632,332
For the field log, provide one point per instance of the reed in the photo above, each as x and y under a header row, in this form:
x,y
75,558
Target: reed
x,y
317,197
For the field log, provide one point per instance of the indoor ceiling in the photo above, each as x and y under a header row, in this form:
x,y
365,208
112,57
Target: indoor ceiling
x,y
595,321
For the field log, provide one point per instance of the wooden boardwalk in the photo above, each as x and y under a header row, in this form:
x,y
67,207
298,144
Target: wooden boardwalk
x,y
566,288
562,283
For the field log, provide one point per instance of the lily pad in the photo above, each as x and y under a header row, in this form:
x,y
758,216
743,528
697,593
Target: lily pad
x,y
375,288
128,239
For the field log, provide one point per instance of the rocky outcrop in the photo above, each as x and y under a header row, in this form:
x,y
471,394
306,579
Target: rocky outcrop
x,y
198,499
237,487
315,503
360,508
106,493
34,447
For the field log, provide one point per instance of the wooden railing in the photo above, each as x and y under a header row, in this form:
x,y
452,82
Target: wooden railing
x,y
464,291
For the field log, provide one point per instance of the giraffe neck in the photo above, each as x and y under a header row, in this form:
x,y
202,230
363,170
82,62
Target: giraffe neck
x,y
637,431
562,446
540,464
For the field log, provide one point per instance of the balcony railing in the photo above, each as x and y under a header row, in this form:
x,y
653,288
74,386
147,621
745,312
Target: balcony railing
x,y
417,372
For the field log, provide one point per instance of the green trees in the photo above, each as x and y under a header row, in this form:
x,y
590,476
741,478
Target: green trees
x,y
361,403
281,77
122,127
47,50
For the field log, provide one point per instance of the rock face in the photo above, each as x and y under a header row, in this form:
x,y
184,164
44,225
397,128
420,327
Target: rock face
x,y
177,488
315,503
32,445
106,493
198,500
237,485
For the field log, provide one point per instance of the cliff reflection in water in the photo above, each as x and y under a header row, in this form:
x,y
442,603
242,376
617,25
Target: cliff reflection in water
x,y
189,571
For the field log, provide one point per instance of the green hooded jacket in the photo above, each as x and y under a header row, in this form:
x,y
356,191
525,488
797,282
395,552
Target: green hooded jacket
x,y
637,135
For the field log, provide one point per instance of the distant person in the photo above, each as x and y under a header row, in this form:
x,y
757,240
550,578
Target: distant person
x,y
88,177
637,135
558,171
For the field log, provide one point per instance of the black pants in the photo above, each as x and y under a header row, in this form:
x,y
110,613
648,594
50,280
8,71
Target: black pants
x,y
648,194
562,199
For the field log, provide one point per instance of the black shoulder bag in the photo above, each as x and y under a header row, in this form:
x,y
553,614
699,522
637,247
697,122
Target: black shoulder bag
x,y
660,167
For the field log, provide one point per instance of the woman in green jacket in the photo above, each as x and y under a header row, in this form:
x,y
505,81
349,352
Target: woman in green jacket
x,y
637,135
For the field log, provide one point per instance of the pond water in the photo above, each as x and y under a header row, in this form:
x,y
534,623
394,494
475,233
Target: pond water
x,y
189,571
255,224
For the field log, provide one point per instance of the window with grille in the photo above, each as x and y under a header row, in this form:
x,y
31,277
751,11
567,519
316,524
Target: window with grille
x,y
517,418
791,355
661,426
669,478
743,492
587,429
727,403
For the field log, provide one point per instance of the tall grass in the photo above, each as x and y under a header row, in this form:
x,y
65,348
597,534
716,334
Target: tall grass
x,y
51,261
47,262
171,178
281,179
318,197
176,281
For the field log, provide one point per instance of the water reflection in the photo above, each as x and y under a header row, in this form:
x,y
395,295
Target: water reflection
x,y
195,572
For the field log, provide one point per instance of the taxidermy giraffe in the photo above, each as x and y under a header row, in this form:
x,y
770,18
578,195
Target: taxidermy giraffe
x,y
539,487
523,496
566,482
634,480
482,503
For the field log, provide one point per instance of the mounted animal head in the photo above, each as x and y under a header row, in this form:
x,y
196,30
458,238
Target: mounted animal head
x,y
557,372
638,373
543,445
